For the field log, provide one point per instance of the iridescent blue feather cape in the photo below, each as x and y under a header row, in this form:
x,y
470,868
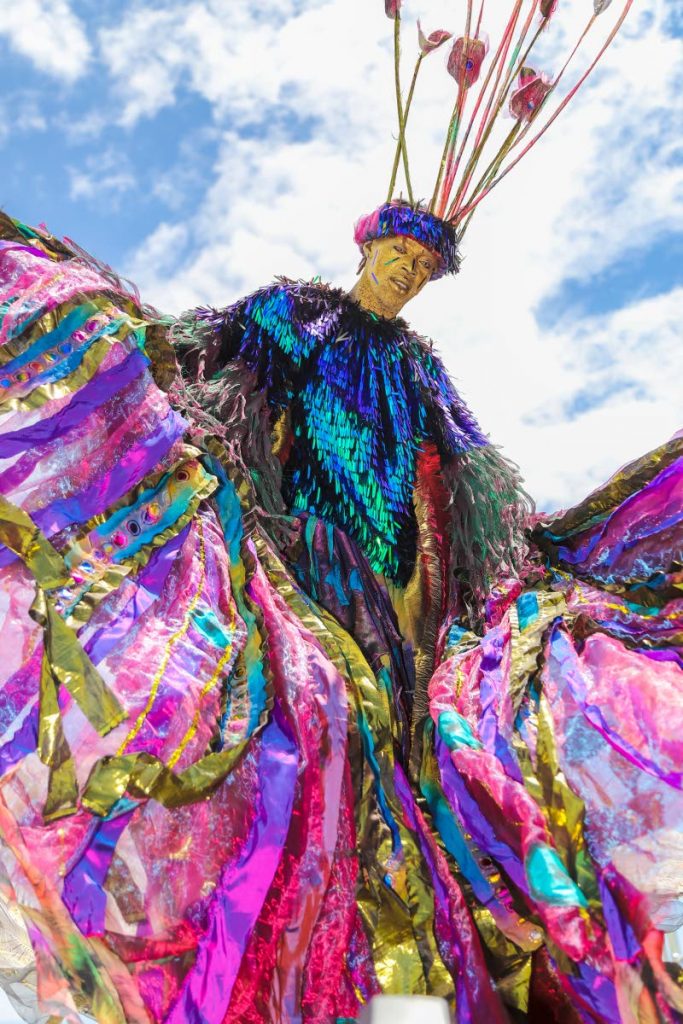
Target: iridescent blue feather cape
x,y
361,396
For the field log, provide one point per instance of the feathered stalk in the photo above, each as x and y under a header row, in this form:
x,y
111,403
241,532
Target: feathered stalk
x,y
495,105
474,202
496,162
558,78
519,136
496,64
454,124
515,64
481,15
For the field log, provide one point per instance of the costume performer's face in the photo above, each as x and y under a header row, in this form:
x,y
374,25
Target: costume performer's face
x,y
395,270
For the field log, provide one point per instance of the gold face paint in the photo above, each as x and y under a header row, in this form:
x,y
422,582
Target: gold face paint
x,y
395,270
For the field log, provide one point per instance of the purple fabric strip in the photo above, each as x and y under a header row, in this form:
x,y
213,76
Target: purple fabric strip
x,y
94,394
469,814
16,693
150,584
664,655
622,936
239,896
596,993
24,741
83,893
19,688
634,503
127,473
8,246
119,409
492,689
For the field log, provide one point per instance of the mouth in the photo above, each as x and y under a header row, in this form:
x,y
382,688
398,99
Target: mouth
x,y
401,284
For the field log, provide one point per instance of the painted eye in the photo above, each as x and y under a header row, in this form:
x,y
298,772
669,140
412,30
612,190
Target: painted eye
x,y
153,512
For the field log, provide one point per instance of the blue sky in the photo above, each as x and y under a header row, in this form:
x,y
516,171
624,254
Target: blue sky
x,y
40,181
640,273
202,148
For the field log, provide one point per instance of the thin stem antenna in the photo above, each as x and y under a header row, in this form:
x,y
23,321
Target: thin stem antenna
x,y
401,147
401,119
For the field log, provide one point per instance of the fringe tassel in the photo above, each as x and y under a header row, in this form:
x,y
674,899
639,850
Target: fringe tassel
x,y
227,407
489,515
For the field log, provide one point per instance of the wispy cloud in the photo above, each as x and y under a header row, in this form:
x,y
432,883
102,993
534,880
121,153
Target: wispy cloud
x,y
105,176
49,34
160,253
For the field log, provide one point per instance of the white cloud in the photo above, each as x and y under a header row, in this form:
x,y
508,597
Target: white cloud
x,y
88,126
231,54
92,186
48,33
160,251
107,173
304,111
633,359
20,113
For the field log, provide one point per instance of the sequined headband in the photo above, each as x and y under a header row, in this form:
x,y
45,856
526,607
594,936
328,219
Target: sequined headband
x,y
398,218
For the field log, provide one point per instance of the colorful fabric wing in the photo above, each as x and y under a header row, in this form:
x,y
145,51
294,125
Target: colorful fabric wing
x,y
222,797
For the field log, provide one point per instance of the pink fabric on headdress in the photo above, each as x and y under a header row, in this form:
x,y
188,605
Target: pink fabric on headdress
x,y
367,228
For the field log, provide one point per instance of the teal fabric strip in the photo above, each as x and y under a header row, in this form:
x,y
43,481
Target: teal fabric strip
x,y
549,881
230,513
170,516
75,319
456,731
454,841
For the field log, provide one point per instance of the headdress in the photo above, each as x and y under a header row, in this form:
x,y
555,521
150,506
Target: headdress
x,y
470,166
399,218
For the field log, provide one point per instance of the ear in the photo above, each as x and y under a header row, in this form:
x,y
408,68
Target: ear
x,y
367,249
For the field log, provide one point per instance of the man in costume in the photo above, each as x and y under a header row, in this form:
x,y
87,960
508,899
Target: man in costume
x,y
290,715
